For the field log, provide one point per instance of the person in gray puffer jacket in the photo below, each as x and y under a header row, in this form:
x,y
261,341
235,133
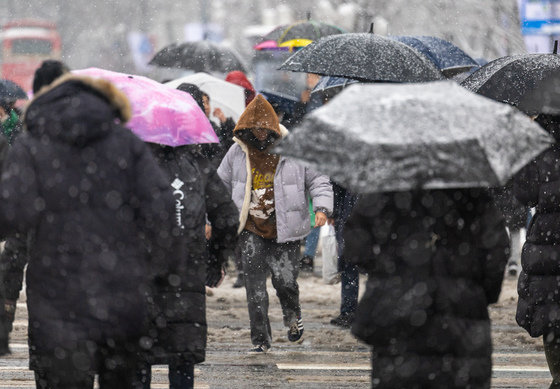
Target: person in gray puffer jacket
x,y
271,193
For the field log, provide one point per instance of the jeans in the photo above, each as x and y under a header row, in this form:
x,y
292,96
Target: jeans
x,y
311,241
349,275
260,257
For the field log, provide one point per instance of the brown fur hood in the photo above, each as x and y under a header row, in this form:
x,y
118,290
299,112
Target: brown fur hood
x,y
107,89
76,109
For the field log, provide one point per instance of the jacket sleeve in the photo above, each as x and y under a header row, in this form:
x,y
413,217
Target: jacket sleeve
x,y
495,246
320,190
20,201
224,217
225,170
526,185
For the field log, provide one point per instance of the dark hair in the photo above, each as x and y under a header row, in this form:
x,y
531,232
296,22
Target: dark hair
x,y
49,71
194,91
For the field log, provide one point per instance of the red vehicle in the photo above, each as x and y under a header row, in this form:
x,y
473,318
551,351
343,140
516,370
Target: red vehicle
x,y
25,44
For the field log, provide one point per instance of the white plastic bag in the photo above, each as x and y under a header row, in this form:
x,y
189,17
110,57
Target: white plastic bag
x,y
330,257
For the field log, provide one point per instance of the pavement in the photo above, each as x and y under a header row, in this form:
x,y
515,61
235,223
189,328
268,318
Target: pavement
x,y
329,357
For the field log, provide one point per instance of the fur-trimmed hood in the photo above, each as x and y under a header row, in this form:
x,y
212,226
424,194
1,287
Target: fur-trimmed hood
x,y
76,109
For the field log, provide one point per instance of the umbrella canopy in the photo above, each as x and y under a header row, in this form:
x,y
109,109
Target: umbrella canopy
x,y
450,59
390,137
280,101
310,30
230,98
159,114
363,56
199,56
9,90
328,82
526,81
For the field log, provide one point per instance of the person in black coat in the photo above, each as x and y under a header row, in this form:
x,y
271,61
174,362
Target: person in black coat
x,y
436,261
179,336
14,257
100,209
538,307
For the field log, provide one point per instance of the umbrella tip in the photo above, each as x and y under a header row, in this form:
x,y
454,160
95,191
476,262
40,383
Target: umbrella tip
x,y
308,15
555,51
371,28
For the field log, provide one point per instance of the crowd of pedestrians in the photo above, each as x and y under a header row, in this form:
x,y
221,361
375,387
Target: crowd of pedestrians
x,y
121,239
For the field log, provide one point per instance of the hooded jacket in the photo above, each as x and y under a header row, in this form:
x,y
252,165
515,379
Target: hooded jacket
x,y
537,185
292,181
435,260
101,212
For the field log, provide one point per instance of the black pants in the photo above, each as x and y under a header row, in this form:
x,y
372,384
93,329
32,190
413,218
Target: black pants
x,y
74,369
181,375
551,343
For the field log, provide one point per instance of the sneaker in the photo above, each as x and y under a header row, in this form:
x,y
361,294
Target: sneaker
x,y
295,333
260,349
240,281
307,264
343,320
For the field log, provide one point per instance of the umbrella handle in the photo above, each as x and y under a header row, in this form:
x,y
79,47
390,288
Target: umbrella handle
x,y
371,28
555,50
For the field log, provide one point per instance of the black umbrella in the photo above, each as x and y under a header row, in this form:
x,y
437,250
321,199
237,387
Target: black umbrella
x,y
200,56
9,90
386,137
450,59
365,57
527,81
302,29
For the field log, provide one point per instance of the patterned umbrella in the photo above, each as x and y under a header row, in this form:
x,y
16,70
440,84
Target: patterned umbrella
x,y
159,114
299,33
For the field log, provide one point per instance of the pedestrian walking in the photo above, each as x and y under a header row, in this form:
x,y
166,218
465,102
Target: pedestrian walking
x,y
435,259
271,193
14,256
179,333
101,211
539,302
515,215
344,202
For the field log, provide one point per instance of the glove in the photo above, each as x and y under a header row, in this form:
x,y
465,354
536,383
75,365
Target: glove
x,y
215,274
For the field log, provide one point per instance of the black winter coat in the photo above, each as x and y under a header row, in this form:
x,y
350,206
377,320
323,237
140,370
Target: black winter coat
x,y
436,260
97,202
180,332
538,185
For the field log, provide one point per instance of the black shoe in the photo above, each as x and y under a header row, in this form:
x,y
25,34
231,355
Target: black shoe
x,y
295,333
343,320
260,349
240,281
307,264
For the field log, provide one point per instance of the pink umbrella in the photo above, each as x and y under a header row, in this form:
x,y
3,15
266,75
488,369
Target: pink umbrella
x,y
159,114
267,45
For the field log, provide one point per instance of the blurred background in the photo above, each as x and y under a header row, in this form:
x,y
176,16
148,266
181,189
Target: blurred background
x,y
123,35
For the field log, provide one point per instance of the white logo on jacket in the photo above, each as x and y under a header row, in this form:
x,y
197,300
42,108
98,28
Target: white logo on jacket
x,y
177,184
